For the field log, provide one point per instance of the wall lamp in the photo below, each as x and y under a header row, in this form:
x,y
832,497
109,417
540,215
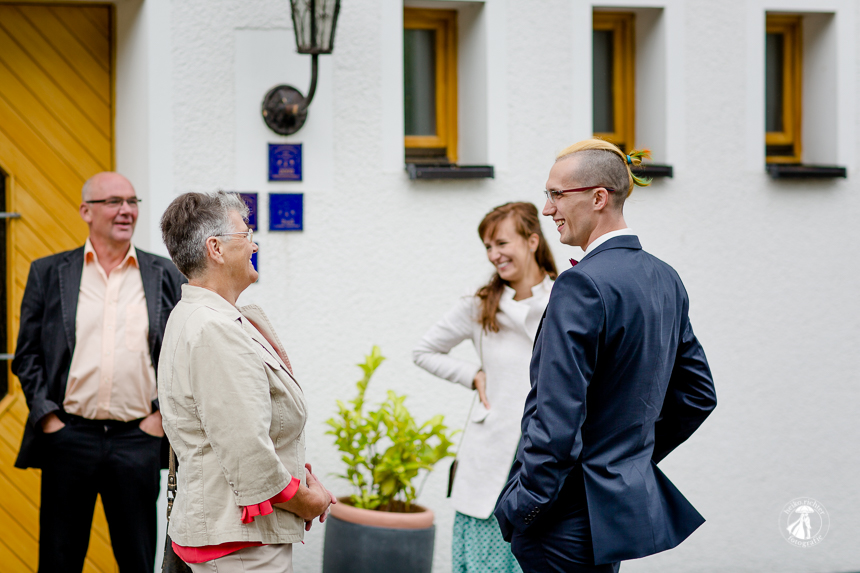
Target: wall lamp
x,y
285,109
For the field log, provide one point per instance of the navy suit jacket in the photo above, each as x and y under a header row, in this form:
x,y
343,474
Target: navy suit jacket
x,y
46,338
618,381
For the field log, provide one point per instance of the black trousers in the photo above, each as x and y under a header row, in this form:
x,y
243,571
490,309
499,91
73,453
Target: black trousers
x,y
538,555
561,542
89,457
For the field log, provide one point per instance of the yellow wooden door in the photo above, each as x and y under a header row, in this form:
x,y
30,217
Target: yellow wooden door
x,y
56,130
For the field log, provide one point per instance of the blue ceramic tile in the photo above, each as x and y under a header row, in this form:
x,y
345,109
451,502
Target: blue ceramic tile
x,y
285,211
250,200
285,162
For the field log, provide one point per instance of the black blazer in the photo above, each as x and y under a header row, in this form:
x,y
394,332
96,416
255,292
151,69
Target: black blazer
x,y
46,339
615,343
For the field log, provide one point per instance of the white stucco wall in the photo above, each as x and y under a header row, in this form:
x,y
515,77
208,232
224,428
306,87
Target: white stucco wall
x,y
769,265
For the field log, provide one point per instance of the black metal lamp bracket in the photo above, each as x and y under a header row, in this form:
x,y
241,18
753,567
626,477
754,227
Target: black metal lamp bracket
x,y
285,109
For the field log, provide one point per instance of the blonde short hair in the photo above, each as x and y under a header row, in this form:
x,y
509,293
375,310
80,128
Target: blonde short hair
x,y
603,163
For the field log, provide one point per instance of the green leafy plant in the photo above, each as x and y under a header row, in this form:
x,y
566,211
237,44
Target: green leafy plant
x,y
385,449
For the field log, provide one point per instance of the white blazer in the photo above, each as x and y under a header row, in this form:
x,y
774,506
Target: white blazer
x,y
491,436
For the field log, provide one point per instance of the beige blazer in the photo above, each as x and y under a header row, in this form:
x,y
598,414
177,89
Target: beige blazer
x,y
235,416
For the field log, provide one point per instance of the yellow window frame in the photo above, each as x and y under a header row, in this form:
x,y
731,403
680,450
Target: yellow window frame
x,y
444,23
790,27
623,28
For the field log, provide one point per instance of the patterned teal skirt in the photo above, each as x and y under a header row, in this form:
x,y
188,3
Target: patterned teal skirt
x,y
478,547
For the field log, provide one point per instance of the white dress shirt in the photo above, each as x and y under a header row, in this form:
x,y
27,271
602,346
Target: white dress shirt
x,y
606,236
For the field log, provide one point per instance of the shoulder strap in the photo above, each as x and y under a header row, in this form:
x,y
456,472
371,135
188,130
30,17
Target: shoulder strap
x,y
475,394
171,481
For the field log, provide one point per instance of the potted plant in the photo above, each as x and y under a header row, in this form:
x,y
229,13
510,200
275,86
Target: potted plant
x,y
379,527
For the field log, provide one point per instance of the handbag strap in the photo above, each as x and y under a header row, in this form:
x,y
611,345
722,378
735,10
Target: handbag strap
x,y
171,481
474,396
466,425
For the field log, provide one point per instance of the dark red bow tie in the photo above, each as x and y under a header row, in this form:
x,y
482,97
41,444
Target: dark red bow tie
x,y
573,262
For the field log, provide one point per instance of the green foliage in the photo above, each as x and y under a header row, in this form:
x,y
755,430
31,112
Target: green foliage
x,y
385,449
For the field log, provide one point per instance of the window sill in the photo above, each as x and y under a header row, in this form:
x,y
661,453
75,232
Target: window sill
x,y
797,171
449,171
653,170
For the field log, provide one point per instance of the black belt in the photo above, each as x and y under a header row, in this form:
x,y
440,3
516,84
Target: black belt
x,y
112,424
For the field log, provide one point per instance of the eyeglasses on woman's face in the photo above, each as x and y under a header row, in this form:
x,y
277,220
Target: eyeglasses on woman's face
x,y
552,196
249,234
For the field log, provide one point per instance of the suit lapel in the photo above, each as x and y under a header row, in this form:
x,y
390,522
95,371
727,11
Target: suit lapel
x,y
70,271
150,276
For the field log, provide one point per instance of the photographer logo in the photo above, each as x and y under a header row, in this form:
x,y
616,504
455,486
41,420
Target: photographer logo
x,y
804,522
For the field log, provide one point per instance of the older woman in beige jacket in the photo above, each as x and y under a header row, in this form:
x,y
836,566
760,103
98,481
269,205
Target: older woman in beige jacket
x,y
232,407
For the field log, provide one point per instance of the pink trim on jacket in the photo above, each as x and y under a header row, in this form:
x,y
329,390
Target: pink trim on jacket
x,y
249,512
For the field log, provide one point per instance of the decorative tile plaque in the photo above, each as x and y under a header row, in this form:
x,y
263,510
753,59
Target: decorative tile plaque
x,y
285,211
250,200
285,162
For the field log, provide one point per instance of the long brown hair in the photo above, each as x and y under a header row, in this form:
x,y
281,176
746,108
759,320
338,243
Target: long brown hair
x,y
526,222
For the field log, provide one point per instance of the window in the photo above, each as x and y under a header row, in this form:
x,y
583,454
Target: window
x,y
430,85
613,80
783,88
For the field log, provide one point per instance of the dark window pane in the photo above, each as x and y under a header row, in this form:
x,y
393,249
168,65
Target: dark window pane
x,y
774,96
419,81
604,121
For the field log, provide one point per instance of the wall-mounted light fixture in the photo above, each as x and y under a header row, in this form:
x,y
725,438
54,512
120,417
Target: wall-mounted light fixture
x,y
285,109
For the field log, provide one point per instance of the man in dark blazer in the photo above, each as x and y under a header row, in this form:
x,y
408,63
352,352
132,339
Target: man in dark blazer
x,y
619,380
92,321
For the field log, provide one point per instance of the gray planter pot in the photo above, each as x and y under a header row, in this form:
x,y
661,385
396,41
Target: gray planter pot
x,y
357,548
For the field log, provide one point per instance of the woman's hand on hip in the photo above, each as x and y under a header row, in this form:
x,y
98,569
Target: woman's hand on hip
x,y
480,384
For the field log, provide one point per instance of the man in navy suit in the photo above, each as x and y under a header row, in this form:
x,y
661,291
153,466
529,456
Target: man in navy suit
x,y
618,381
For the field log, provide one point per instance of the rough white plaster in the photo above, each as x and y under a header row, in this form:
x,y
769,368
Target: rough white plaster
x,y
769,268
391,43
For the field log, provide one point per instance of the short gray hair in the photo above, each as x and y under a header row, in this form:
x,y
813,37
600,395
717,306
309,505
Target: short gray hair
x,y
191,219
86,190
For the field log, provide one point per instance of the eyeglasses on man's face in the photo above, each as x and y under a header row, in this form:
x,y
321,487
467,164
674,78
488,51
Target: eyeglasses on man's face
x,y
116,202
552,196
249,234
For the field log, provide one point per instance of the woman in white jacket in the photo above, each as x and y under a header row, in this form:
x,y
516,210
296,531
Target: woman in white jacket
x,y
501,320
